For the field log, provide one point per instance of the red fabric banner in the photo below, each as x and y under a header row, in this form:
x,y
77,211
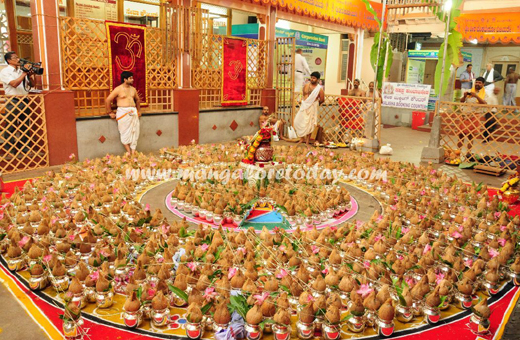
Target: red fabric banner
x,y
127,52
234,72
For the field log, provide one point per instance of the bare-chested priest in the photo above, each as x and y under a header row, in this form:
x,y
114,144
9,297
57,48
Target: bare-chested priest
x,y
510,87
127,114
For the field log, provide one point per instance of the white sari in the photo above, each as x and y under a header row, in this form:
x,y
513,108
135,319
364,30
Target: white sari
x,y
128,125
307,117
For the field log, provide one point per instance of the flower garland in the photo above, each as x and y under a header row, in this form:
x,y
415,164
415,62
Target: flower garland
x,y
263,135
509,184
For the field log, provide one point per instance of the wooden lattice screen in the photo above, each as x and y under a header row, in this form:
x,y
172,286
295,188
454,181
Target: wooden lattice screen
x,y
343,117
206,73
85,63
489,134
24,133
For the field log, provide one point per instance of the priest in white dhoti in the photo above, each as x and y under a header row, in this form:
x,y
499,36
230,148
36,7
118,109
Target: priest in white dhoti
x,y
127,114
302,69
307,117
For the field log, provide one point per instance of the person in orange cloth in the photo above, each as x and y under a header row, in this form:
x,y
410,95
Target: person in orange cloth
x,y
472,117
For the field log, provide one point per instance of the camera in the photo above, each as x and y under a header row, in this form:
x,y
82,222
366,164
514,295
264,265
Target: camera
x,y
36,67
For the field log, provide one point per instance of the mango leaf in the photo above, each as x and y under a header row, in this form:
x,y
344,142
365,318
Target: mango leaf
x,y
389,61
263,323
180,293
215,274
438,70
206,308
443,298
139,292
286,289
239,305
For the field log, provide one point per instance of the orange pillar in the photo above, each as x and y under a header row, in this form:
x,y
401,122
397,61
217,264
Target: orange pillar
x,y
59,104
186,98
269,93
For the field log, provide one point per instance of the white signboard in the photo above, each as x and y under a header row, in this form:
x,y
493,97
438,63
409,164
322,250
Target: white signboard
x,y
406,96
96,9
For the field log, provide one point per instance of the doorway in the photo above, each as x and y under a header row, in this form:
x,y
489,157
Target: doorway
x,y
503,67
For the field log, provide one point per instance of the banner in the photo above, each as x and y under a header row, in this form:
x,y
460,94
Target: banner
x,y
314,48
434,55
492,27
234,72
345,12
406,96
126,48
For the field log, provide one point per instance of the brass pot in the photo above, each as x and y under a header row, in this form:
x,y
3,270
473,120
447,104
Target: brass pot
x,y
433,314
356,324
70,329
331,332
132,319
479,325
104,299
38,282
194,331
264,152
404,314
463,301
305,330
16,264
511,196
253,332
60,283
385,328
281,332
160,317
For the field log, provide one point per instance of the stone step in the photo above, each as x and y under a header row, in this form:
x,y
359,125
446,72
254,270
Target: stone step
x,y
425,128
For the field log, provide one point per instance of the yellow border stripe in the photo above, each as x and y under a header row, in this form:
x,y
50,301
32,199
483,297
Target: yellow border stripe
x,y
30,307
507,315
23,179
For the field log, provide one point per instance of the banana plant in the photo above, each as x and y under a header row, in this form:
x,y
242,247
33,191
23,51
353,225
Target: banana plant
x,y
380,51
454,44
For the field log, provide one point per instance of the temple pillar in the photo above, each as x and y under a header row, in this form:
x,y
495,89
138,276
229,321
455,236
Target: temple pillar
x,y
59,104
186,103
269,93
186,99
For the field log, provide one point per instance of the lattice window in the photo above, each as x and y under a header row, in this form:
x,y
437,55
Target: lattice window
x,y
487,133
206,71
26,39
86,66
84,54
5,46
24,134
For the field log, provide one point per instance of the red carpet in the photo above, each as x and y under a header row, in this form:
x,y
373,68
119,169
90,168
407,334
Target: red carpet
x,y
515,208
9,187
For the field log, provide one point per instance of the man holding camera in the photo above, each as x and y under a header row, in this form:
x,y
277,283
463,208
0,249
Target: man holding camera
x,y
16,80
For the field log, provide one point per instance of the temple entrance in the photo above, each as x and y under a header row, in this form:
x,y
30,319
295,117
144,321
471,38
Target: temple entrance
x,y
284,80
